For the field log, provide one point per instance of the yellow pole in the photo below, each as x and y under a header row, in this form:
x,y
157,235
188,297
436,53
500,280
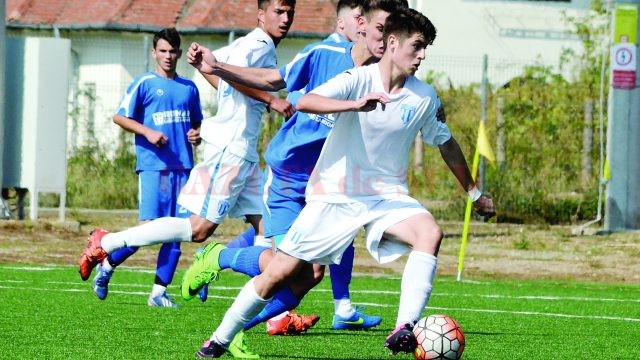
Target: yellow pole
x,y
467,216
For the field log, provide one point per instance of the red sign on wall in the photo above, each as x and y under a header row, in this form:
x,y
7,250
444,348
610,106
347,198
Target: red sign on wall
x,y
624,79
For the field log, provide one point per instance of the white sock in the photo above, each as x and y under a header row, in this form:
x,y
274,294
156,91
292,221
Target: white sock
x,y
417,279
158,231
106,265
246,305
260,240
158,290
343,308
280,316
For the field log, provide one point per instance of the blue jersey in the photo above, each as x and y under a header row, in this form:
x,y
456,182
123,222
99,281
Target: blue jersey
x,y
295,148
171,106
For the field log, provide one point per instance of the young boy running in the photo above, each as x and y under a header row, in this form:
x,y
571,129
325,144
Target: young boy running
x,y
360,180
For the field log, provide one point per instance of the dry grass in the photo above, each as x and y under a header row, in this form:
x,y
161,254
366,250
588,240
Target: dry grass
x,y
494,250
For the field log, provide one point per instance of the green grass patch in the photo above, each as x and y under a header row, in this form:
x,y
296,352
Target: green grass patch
x,y
47,312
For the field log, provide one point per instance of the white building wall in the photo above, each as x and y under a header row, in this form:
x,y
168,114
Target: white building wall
x,y
512,34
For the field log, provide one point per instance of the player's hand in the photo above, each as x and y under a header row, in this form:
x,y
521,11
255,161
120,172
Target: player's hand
x,y
441,115
283,107
157,138
201,58
370,101
484,206
193,136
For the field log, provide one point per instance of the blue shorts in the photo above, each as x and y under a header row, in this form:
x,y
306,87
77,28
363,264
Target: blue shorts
x,y
284,199
158,194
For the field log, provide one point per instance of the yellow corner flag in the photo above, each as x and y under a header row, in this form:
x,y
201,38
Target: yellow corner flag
x,y
482,148
483,144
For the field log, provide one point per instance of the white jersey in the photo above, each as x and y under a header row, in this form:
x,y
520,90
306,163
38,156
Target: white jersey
x,y
366,155
236,125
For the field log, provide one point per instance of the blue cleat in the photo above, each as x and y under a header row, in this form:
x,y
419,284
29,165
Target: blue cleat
x,y
203,294
357,321
101,282
161,301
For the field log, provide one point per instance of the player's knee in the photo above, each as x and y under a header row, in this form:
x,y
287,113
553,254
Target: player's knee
x,y
318,275
200,231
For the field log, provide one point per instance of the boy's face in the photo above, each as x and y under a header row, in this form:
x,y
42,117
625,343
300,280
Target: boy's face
x,y
348,22
407,53
276,19
166,56
372,29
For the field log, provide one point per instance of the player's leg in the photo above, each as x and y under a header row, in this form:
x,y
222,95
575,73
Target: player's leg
x,y
209,194
400,225
252,298
105,270
346,316
245,239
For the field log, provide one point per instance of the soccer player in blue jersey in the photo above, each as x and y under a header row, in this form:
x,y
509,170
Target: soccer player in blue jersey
x,y
359,180
163,110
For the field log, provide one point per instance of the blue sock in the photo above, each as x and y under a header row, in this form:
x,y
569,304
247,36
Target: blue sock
x,y
119,256
243,240
341,274
242,260
282,301
167,263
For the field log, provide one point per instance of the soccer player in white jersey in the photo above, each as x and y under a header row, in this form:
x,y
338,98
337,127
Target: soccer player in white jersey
x,y
163,110
360,180
228,180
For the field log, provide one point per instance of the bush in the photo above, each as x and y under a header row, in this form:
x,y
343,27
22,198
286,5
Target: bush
x,y
98,182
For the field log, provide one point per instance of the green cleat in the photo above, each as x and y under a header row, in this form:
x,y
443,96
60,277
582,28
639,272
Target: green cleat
x,y
204,269
238,348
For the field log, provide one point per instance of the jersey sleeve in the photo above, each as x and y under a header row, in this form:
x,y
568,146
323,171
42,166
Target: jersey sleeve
x,y
297,73
195,108
434,132
339,87
129,105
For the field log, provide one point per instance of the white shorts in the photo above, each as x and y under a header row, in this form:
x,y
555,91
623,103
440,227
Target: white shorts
x,y
323,231
223,184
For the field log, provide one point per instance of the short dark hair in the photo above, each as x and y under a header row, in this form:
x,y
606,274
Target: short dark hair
x,y
406,22
390,6
170,35
262,4
347,4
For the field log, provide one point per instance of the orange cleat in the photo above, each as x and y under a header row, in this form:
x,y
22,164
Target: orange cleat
x,y
291,324
93,254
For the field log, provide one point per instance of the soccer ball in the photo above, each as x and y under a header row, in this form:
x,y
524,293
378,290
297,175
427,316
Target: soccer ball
x,y
438,337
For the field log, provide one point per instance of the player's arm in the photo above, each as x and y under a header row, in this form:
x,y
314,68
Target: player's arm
x,y
131,125
454,158
318,104
283,107
203,59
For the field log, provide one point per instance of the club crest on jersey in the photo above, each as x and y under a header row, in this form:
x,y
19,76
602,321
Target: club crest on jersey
x,y
406,113
223,207
159,92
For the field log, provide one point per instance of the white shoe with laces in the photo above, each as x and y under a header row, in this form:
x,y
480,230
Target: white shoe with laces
x,y
161,301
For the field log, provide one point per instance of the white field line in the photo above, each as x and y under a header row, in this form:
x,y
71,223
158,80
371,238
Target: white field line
x,y
397,293
492,311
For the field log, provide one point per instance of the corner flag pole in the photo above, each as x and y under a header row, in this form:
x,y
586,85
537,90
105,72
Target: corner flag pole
x,y
467,216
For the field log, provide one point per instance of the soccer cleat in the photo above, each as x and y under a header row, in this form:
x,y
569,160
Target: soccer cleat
x,y
291,324
401,339
101,282
211,349
203,294
358,321
238,348
204,269
161,301
93,254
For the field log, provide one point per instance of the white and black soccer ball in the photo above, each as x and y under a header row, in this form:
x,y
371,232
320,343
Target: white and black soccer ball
x,y
438,337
